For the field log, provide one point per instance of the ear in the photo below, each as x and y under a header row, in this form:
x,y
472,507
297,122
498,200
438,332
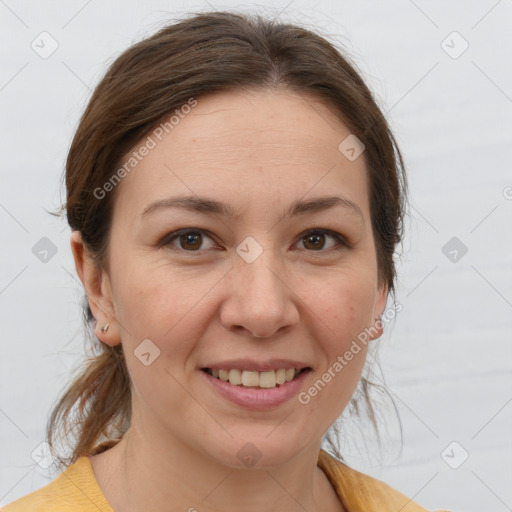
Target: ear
x,y
381,298
99,293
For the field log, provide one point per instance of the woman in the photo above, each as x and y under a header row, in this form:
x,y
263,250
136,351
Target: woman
x,y
235,197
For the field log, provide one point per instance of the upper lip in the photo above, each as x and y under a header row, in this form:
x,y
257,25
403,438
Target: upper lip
x,y
257,366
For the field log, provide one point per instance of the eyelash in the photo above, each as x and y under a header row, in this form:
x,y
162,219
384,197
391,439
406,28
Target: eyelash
x,y
167,240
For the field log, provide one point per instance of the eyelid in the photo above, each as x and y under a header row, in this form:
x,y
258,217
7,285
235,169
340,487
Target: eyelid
x,y
342,241
167,240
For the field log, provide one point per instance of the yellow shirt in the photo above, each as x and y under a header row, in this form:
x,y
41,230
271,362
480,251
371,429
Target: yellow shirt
x,y
76,490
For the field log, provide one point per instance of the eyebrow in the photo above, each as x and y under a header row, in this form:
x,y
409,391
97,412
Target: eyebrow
x,y
207,205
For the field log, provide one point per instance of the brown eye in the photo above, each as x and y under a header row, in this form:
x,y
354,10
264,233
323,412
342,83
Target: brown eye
x,y
191,241
317,240
187,240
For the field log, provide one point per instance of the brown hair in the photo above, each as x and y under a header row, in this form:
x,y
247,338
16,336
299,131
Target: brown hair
x,y
201,54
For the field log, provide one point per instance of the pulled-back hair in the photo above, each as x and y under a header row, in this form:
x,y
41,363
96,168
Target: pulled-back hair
x,y
190,58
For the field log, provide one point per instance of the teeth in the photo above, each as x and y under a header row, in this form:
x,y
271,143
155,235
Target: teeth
x,y
250,378
235,377
266,379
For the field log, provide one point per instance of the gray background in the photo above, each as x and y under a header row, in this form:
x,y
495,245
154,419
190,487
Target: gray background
x,y
447,359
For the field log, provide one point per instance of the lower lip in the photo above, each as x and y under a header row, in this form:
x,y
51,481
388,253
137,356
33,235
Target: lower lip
x,y
257,399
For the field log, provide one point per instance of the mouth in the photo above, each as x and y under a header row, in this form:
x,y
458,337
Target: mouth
x,y
257,380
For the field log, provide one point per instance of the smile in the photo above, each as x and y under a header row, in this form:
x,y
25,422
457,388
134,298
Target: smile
x,y
253,379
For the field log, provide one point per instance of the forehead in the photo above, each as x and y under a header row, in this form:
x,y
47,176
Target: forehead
x,y
248,146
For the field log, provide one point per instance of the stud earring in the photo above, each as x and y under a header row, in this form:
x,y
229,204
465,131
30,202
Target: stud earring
x,y
104,329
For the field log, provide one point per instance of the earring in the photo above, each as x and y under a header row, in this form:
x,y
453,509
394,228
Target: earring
x,y
104,329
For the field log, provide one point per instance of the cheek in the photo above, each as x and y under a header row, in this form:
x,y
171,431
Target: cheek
x,y
344,302
172,313
165,305
344,313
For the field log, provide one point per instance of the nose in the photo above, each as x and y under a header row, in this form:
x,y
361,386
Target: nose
x,y
260,302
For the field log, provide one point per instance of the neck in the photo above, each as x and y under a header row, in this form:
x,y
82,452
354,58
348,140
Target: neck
x,y
141,474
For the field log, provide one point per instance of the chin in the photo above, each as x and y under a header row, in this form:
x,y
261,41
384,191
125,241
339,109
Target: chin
x,y
257,451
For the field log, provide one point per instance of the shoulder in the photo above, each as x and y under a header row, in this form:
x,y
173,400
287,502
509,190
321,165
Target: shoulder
x,y
358,491
74,490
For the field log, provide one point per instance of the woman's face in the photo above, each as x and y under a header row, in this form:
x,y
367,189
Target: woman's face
x,y
237,276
